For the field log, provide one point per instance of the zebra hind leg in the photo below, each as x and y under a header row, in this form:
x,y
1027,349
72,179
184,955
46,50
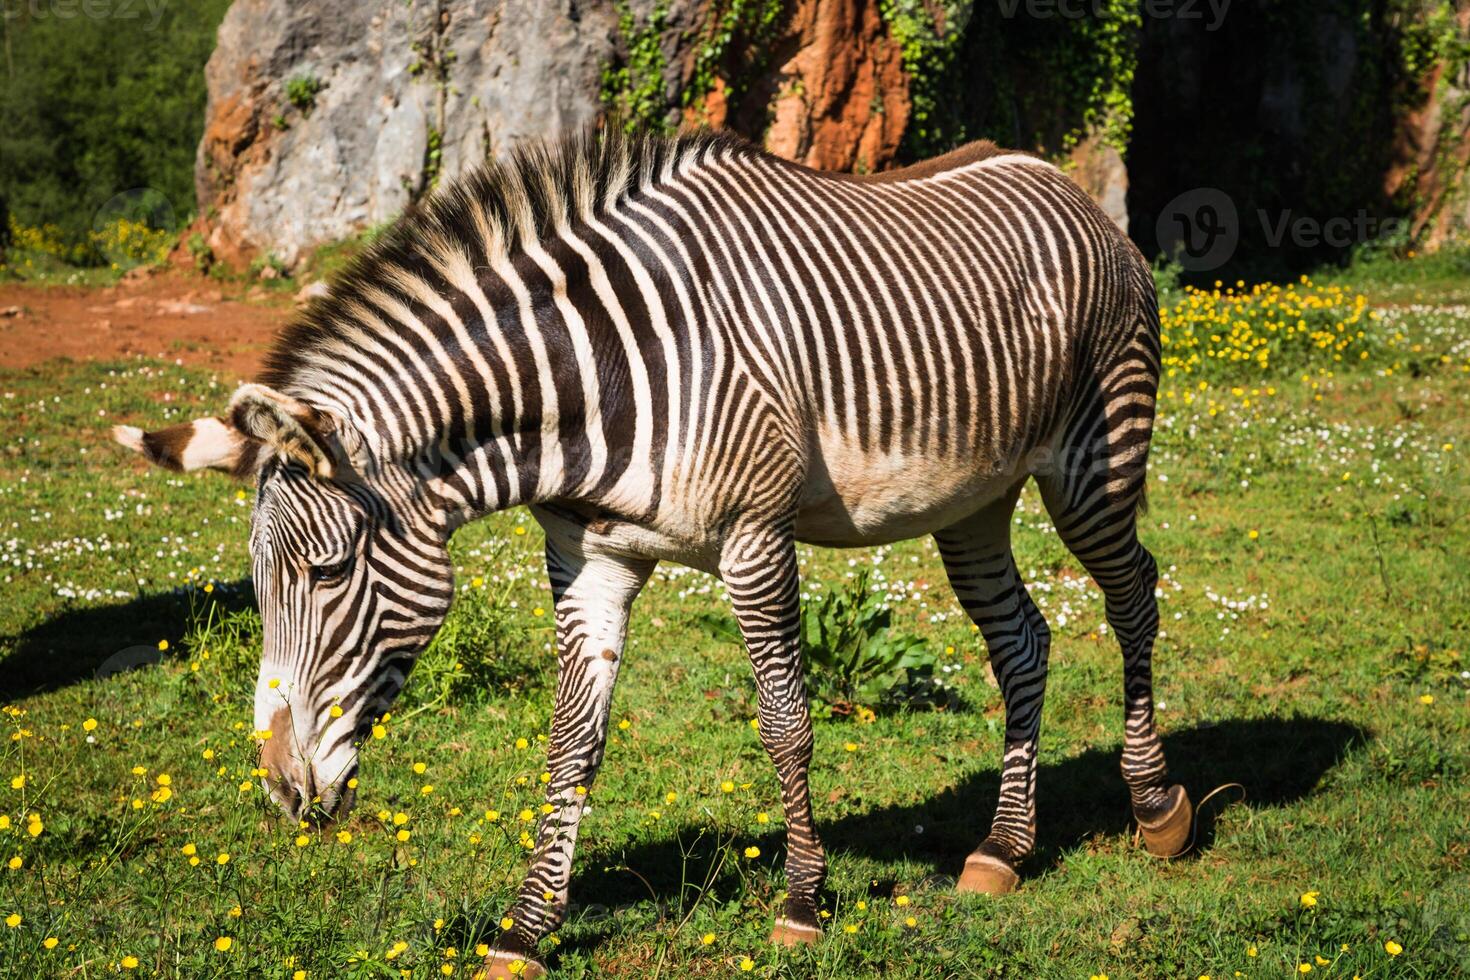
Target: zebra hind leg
x,y
982,571
593,594
1094,503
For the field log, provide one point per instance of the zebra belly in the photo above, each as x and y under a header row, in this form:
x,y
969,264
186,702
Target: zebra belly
x,y
853,498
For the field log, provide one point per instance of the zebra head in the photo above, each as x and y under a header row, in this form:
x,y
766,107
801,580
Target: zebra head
x,y
351,572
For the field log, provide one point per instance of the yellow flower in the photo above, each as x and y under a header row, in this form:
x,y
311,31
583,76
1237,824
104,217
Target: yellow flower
x,y
344,837
15,863
746,964
89,725
708,938
849,928
403,836
335,711
1426,699
129,962
1322,960
901,901
1253,534
752,852
419,767
34,825
163,644
1251,950
538,611
399,819
13,919
507,924
49,942
911,922
762,817
521,743
379,731
1309,899
426,789
299,975
302,840
446,968
223,858
1392,948
223,944
1304,968
727,787
18,782
850,746
483,949
624,724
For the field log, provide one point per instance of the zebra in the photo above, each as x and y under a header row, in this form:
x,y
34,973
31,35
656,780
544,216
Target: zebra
x,y
686,349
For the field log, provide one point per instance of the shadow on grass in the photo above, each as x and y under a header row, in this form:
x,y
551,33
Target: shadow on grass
x,y
1278,760
96,641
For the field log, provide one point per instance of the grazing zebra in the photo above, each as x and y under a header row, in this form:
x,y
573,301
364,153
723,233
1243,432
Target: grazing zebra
x,y
687,349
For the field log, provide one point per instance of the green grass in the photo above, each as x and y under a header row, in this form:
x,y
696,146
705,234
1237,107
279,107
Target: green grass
x,y
1294,663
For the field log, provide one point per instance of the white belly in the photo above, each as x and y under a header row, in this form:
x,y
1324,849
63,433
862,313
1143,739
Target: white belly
x,y
854,497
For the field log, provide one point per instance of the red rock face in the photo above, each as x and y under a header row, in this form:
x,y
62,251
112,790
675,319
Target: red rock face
x,y
842,100
1432,150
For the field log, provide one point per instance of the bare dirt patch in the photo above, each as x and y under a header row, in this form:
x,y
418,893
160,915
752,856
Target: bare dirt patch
x,y
172,316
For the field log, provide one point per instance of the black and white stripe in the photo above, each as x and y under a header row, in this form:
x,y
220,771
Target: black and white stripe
x,y
690,350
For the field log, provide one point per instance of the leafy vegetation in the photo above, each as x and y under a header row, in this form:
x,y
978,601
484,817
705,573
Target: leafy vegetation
x,y
1310,532
95,106
633,88
854,660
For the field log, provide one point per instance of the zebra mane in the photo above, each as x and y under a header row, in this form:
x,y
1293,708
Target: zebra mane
x,y
490,214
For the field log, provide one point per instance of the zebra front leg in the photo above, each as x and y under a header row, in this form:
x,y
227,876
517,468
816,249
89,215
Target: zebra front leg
x,y
593,593
760,575
977,557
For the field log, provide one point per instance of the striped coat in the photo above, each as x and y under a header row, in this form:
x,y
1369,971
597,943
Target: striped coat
x,y
690,350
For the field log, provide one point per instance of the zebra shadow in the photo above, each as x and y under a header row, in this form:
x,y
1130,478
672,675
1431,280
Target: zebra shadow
x,y
1278,761
98,641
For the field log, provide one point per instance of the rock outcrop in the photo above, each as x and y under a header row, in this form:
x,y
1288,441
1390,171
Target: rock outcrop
x,y
327,118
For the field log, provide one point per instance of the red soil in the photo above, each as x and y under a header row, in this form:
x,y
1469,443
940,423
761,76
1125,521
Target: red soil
x,y
172,315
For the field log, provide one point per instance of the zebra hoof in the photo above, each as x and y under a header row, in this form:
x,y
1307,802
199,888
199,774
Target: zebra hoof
x,y
789,932
1168,836
509,966
987,875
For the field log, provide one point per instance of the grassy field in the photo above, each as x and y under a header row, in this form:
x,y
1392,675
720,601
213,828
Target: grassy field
x,y
1311,513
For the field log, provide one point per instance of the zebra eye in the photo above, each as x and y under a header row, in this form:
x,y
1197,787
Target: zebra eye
x,y
330,573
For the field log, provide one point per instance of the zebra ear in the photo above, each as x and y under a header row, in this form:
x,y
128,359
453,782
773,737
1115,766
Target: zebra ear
x,y
289,428
204,443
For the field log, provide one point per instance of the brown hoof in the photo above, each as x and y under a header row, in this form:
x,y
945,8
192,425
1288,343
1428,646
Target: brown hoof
x,y
789,932
509,966
1169,835
986,875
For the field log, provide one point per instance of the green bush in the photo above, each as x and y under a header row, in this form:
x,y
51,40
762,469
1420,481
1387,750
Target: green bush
x,y
94,107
